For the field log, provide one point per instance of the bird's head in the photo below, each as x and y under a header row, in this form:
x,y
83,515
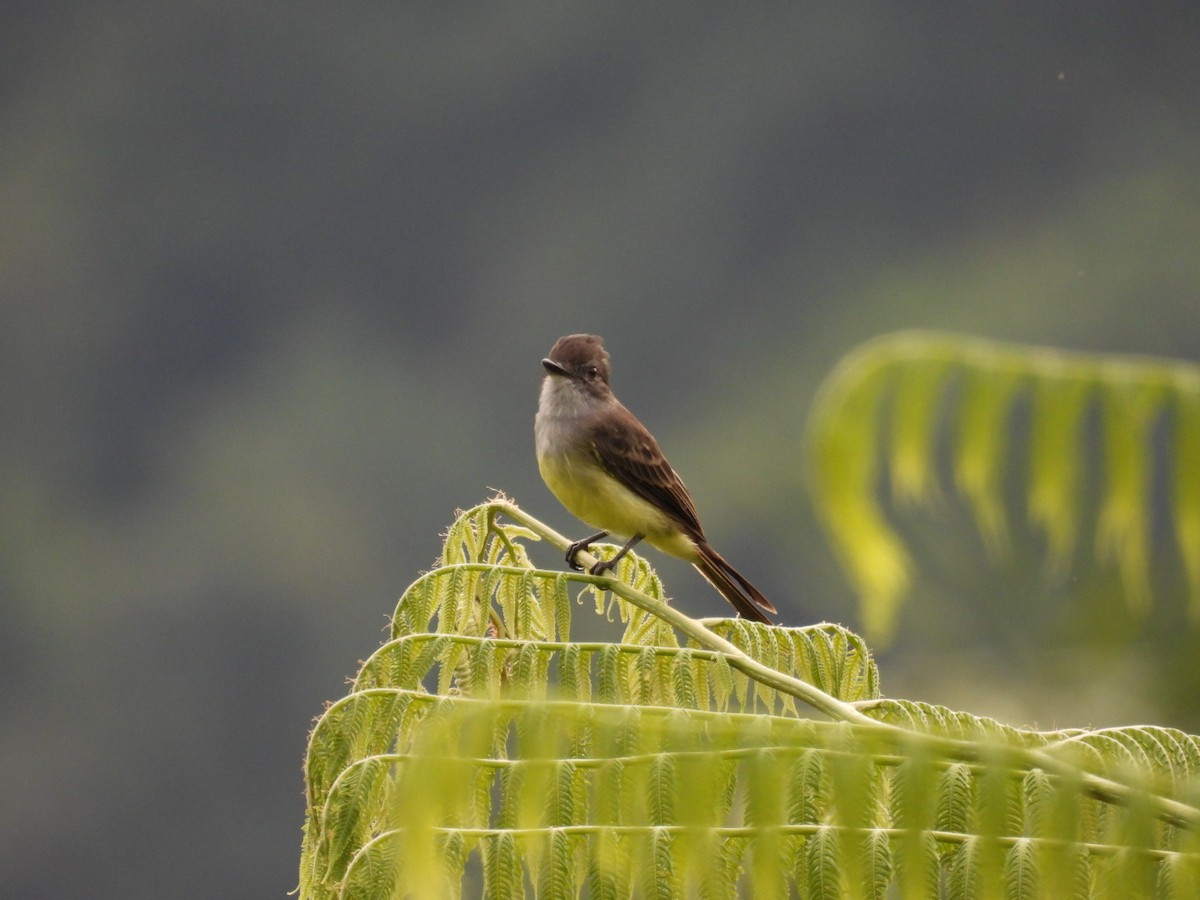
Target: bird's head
x,y
580,358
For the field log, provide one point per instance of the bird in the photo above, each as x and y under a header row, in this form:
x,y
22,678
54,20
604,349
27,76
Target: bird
x,y
607,469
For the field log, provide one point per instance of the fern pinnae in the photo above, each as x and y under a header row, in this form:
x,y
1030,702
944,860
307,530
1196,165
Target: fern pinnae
x,y
502,876
415,607
440,653
955,799
918,867
721,682
787,659
562,805
1058,406
916,399
656,866
817,655
452,657
526,671
645,680
744,634
878,869
700,681
699,854
483,675
868,681
1188,754
662,785
980,449
1115,749
542,590
805,790
494,600
1020,871
463,538
645,628
913,790
609,687
556,876
1178,877
633,729
1064,869
683,679
1186,488
354,798
765,813
767,872
1174,753
455,848
963,876
364,724
722,878
842,474
764,802
1038,791
1126,873
507,598
1149,748
608,785
1129,411
562,606
847,766
457,595
510,781
372,873
389,666
492,581
993,819
604,873
823,865
832,649
744,691
774,654
725,788
571,676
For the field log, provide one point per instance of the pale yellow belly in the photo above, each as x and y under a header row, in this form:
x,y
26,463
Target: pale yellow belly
x,y
601,501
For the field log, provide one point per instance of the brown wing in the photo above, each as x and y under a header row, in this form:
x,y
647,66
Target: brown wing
x,y
629,453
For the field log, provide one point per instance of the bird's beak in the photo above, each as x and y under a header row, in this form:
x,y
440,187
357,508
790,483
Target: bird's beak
x,y
554,368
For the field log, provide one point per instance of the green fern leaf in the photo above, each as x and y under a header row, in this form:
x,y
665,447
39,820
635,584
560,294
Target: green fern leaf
x,y
502,876
876,856
482,751
955,799
903,380
823,866
1020,871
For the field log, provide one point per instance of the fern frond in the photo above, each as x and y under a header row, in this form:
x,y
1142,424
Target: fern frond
x,y
1170,753
701,758
904,381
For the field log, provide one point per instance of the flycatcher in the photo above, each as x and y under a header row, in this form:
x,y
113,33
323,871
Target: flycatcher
x,y
607,469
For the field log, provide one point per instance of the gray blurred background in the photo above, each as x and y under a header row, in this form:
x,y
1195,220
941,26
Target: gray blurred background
x,y
274,284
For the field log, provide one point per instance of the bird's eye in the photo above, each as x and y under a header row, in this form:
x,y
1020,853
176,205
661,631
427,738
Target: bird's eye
x,y
592,371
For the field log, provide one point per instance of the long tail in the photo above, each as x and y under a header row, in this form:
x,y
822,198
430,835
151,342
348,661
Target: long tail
x,y
745,597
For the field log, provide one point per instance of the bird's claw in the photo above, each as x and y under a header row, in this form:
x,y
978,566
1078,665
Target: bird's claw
x,y
573,551
605,565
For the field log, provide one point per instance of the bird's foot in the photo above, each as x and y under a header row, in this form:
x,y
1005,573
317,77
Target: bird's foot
x,y
574,550
605,565
582,546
